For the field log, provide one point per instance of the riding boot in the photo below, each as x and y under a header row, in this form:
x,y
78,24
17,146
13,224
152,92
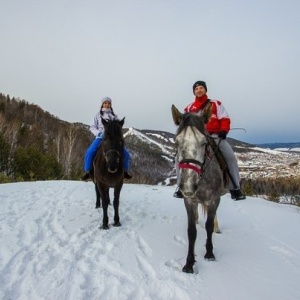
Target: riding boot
x,y
88,175
237,195
127,175
232,194
178,193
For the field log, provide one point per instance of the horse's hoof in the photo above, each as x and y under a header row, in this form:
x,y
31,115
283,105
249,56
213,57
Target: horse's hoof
x,y
97,206
117,224
105,227
210,257
188,270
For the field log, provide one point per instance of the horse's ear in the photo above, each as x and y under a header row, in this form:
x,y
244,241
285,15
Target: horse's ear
x,y
104,121
176,114
122,122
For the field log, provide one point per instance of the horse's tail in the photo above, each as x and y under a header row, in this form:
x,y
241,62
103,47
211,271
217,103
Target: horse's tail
x,y
204,212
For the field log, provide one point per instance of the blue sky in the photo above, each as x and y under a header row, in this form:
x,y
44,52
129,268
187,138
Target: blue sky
x,y
65,56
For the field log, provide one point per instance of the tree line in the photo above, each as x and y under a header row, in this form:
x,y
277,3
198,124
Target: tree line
x,y
277,189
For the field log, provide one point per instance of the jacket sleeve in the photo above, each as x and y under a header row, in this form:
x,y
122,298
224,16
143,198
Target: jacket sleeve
x,y
97,126
223,117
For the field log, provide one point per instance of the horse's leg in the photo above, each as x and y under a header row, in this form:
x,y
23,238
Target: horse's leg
x,y
209,226
192,234
98,198
116,202
103,194
216,225
108,198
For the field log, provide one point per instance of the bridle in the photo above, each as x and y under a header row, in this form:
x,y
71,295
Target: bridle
x,y
196,165
192,164
109,151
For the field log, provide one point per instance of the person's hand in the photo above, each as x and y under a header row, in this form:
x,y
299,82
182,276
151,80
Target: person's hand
x,y
222,135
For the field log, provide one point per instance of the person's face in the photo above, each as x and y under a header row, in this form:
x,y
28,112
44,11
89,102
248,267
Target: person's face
x,y
106,104
199,91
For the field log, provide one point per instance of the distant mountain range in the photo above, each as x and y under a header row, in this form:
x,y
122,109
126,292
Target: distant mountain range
x,y
281,146
153,157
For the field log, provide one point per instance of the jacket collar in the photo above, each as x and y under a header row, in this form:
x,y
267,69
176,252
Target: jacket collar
x,y
201,99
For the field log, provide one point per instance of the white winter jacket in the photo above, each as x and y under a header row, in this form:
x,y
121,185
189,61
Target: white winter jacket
x,y
97,126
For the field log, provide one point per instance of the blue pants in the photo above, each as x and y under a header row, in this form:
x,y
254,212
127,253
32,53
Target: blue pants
x,y
92,150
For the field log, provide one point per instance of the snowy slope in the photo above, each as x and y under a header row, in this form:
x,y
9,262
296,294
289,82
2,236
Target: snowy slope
x,y
51,247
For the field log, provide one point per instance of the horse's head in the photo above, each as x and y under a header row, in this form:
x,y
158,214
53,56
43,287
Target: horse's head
x,y
191,143
113,144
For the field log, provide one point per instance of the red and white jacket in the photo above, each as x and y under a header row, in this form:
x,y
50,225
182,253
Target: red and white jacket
x,y
219,121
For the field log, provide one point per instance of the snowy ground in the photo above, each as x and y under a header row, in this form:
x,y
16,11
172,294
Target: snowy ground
x,y
51,247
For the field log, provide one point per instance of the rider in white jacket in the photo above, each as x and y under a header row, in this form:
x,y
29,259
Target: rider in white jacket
x,y
97,128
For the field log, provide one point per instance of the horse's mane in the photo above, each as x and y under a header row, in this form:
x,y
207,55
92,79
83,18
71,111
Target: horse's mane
x,y
189,119
113,129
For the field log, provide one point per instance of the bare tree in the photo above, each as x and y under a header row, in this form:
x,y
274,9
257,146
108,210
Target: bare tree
x,y
68,144
58,143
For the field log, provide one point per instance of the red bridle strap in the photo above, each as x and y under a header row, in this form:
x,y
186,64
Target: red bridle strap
x,y
190,166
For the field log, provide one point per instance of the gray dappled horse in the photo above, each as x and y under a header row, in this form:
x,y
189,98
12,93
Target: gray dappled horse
x,y
108,168
201,179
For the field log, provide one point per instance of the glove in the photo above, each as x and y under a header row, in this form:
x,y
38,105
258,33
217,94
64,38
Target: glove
x,y
222,135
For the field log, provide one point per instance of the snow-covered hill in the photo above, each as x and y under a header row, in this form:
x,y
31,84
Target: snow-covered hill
x,y
51,247
254,162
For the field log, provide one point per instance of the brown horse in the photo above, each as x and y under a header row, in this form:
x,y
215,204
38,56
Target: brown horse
x,y
108,168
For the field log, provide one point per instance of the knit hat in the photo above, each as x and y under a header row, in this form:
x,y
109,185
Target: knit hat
x,y
197,83
105,99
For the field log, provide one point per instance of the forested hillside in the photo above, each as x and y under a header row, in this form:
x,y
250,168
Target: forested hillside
x,y
35,145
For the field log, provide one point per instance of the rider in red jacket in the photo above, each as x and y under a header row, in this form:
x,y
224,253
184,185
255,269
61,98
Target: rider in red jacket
x,y
218,127
219,120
